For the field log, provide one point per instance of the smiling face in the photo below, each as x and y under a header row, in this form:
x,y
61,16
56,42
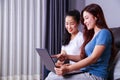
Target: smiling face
x,y
71,25
89,20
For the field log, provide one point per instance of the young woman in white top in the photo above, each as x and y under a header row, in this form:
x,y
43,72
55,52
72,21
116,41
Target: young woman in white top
x,y
72,40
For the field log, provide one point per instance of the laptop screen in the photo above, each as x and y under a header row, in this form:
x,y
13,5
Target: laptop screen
x,y
46,59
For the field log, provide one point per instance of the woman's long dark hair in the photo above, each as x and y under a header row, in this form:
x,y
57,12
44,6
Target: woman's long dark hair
x,y
96,11
67,36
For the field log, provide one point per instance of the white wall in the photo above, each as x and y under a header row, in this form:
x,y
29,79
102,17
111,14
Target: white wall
x,y
111,9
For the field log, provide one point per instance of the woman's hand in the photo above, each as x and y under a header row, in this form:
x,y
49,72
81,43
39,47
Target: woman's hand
x,y
63,69
61,57
59,64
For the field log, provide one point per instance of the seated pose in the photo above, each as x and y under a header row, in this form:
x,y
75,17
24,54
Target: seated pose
x,y
72,39
96,50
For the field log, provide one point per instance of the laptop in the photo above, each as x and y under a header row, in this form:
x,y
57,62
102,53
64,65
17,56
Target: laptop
x,y
49,62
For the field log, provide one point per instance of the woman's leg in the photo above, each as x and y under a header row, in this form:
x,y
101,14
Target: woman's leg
x,y
53,76
81,76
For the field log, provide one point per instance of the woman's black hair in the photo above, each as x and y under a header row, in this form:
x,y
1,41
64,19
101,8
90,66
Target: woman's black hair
x,y
67,36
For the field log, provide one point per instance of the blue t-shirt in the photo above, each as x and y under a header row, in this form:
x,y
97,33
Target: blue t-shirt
x,y
100,67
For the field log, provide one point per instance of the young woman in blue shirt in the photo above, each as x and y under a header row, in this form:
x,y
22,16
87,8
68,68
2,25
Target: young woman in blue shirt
x,y
96,51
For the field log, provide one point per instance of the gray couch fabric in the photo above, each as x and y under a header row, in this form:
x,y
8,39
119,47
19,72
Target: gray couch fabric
x,y
115,67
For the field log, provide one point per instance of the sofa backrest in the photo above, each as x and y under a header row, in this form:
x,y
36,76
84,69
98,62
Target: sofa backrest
x,y
113,75
116,33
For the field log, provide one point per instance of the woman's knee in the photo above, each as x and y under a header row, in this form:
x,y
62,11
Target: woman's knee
x,y
53,76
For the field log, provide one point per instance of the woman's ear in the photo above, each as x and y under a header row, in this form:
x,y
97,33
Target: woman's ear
x,y
95,19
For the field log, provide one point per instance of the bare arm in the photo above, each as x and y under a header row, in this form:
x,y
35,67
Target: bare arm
x,y
63,56
74,58
98,50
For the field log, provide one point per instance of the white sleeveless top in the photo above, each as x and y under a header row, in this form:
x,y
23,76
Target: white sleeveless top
x,y
73,48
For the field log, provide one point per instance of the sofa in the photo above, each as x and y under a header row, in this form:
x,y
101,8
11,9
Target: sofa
x,y
114,73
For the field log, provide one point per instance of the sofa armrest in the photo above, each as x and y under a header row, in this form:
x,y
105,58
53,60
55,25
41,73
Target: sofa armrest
x,y
117,67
